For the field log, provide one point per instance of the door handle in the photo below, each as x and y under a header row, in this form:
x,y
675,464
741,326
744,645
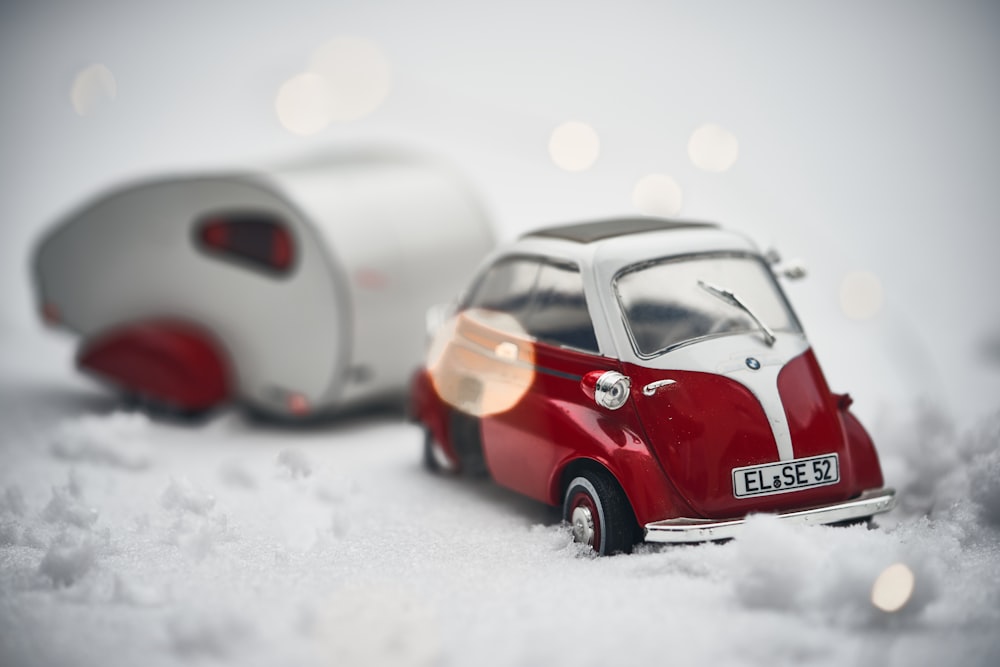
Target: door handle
x,y
651,388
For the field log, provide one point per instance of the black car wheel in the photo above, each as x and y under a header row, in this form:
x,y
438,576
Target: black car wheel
x,y
467,441
599,513
435,460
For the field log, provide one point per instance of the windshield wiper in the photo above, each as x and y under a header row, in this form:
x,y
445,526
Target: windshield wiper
x,y
723,294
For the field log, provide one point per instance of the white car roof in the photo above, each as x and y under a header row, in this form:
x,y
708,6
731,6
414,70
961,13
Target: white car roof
x,y
607,246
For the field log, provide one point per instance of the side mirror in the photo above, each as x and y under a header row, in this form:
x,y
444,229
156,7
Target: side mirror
x,y
793,269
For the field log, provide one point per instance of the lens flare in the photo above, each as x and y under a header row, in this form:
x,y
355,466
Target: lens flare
x,y
659,195
348,78
305,104
481,362
861,295
713,148
358,73
92,87
893,588
574,146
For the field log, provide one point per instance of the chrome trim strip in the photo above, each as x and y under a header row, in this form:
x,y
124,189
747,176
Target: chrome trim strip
x,y
704,530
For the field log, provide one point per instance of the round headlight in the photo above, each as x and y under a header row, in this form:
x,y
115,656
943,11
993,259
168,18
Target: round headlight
x,y
612,390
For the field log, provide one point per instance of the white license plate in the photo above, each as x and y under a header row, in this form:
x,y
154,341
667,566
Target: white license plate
x,y
786,476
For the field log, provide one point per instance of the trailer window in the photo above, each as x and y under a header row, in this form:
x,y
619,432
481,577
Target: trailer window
x,y
257,240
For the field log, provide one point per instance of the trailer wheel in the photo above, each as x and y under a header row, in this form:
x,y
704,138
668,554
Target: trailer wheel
x,y
598,513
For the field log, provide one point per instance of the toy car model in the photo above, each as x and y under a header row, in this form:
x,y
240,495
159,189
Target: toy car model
x,y
282,290
651,377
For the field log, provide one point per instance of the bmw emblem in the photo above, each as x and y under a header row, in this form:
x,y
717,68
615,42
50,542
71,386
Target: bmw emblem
x,y
753,364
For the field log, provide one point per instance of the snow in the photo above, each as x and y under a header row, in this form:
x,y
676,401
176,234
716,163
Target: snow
x,y
67,559
183,496
67,506
111,440
240,543
294,463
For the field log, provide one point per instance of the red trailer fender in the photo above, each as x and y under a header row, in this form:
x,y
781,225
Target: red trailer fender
x,y
171,362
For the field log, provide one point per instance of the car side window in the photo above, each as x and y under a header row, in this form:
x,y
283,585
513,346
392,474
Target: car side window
x,y
545,298
506,287
558,312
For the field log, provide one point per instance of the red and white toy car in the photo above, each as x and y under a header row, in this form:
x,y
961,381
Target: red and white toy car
x,y
652,378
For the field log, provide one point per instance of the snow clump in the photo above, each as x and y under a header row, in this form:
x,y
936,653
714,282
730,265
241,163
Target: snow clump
x,y
69,558
67,505
195,528
949,477
983,453
183,495
113,440
294,463
828,572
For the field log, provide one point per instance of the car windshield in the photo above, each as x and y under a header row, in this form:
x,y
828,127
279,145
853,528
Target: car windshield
x,y
666,303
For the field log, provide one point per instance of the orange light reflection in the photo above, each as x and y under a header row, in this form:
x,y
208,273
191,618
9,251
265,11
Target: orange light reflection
x,y
481,362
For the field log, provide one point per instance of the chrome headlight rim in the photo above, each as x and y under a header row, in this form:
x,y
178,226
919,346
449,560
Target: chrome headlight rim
x,y
612,390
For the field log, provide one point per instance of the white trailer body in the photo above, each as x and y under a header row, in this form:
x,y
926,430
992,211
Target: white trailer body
x,y
361,246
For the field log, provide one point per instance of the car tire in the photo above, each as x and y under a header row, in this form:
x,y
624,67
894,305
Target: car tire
x,y
598,513
467,442
434,459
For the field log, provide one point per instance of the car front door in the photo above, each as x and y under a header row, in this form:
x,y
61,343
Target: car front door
x,y
551,343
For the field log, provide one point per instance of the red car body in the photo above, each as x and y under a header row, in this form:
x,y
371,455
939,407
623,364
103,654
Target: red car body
x,y
725,420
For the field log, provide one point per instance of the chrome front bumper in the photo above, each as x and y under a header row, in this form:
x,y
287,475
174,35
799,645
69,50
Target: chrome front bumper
x,y
704,530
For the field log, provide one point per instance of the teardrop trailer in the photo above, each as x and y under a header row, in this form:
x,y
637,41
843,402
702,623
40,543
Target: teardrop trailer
x,y
649,376
283,290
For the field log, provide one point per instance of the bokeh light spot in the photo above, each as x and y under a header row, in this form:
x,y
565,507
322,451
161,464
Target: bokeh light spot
x,y
861,296
574,146
305,104
92,86
481,362
358,73
658,194
893,588
713,148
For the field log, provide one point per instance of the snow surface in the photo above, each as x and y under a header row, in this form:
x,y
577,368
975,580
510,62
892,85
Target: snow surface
x,y
126,540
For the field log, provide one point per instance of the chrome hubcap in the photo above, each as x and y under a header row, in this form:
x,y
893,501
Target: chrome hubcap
x,y
583,525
